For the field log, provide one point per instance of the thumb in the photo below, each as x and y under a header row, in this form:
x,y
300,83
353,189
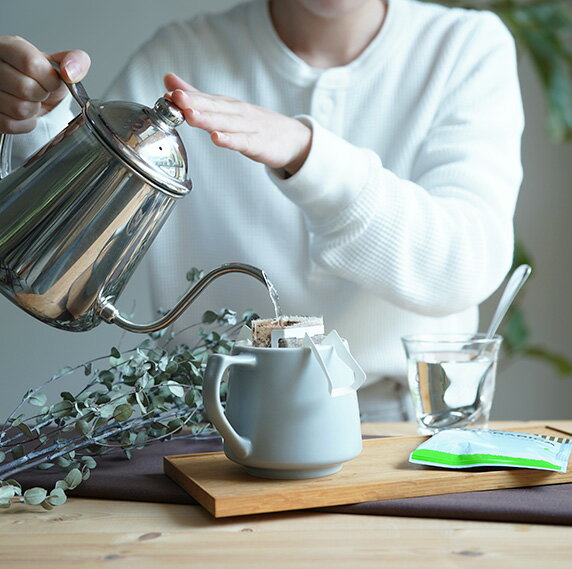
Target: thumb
x,y
74,64
173,82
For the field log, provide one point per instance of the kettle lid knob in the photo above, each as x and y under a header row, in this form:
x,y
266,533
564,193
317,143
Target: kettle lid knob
x,y
168,113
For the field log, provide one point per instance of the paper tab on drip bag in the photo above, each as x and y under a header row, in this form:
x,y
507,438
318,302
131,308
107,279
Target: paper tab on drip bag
x,y
335,363
244,337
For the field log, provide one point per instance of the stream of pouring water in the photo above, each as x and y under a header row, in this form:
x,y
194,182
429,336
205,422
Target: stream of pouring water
x,y
273,293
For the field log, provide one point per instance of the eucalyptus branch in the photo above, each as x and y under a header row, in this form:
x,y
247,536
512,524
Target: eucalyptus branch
x,y
147,393
63,447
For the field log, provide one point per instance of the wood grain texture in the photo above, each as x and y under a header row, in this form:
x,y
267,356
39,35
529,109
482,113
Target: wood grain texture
x,y
381,472
88,534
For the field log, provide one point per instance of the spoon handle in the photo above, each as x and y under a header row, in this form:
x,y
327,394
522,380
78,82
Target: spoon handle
x,y
517,279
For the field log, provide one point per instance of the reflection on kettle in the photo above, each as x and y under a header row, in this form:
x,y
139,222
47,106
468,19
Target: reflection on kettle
x,y
77,217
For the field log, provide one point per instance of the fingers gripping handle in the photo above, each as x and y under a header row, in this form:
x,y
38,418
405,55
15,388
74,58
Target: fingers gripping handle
x,y
79,94
217,364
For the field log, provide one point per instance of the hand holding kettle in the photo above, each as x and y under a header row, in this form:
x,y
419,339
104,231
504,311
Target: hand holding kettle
x,y
79,214
29,86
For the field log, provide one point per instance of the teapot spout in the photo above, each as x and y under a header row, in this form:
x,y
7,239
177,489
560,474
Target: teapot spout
x,y
110,314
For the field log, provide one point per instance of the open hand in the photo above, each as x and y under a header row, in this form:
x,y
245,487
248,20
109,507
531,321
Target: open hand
x,y
260,134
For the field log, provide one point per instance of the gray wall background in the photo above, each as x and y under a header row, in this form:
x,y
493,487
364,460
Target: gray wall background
x,y
110,30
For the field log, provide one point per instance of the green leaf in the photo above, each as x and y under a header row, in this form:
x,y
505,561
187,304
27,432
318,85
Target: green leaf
x,y
17,420
540,29
38,400
248,316
2,456
89,461
35,496
57,497
106,377
193,398
122,413
7,492
174,426
62,461
140,439
172,367
226,317
46,505
82,427
45,465
62,409
64,371
194,275
521,256
514,330
14,483
26,430
561,364
209,317
18,451
106,411
73,478
175,388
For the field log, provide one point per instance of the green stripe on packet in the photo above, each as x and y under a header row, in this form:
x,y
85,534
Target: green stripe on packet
x,y
455,460
468,448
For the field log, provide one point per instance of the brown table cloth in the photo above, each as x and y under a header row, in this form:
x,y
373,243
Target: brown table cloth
x,y
142,479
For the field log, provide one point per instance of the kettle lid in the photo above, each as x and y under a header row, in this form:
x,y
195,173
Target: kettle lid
x,y
145,139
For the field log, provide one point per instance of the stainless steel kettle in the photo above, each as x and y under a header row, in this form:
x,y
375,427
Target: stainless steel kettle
x,y
78,215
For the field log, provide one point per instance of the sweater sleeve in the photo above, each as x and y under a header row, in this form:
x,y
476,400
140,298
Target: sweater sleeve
x,y
442,241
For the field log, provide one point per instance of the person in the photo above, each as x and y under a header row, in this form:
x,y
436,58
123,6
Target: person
x,y
364,153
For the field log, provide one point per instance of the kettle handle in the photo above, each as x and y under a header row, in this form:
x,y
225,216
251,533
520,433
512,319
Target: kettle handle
x,y
110,314
5,155
78,93
76,89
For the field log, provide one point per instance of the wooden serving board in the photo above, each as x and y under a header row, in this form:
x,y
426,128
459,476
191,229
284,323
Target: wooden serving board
x,y
381,472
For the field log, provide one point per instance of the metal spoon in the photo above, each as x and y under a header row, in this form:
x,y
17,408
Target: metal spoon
x,y
517,279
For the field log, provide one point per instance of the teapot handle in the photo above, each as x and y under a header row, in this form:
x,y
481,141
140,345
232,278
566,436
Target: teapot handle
x,y
217,364
78,93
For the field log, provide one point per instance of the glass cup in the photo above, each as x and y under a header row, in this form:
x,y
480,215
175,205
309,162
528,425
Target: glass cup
x,y
452,379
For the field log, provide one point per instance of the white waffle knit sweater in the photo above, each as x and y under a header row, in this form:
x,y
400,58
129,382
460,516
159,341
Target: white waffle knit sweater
x,y
400,220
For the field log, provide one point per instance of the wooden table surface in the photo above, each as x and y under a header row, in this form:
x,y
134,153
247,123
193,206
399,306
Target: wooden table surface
x,y
102,533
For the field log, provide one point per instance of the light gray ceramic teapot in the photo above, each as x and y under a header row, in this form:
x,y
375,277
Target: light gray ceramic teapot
x,y
77,216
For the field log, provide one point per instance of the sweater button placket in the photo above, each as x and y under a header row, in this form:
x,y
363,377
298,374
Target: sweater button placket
x,y
322,107
324,99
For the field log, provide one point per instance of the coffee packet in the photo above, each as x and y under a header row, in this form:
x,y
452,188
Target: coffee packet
x,y
469,448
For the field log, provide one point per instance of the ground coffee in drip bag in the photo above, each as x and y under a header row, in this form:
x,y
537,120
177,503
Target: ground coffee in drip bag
x,y
286,331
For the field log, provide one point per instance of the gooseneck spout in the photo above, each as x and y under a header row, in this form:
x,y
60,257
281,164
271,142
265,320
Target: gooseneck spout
x,y
110,314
